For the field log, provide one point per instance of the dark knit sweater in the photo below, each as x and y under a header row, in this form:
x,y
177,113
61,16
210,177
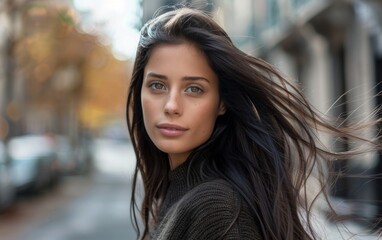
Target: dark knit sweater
x,y
199,210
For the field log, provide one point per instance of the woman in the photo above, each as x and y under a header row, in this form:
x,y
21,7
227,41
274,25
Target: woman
x,y
224,144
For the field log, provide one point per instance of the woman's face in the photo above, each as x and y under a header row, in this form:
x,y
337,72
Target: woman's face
x,y
180,99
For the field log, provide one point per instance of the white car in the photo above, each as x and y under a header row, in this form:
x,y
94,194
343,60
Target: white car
x,y
34,162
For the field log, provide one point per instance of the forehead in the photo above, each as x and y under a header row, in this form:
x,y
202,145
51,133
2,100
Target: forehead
x,y
178,59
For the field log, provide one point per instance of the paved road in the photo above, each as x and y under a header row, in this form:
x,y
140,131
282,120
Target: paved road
x,y
82,209
102,213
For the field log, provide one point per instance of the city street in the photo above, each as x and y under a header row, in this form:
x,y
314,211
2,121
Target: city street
x,y
70,73
96,207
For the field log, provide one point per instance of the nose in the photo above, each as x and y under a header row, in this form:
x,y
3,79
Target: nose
x,y
173,105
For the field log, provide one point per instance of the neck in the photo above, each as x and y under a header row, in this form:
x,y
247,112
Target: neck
x,y
177,159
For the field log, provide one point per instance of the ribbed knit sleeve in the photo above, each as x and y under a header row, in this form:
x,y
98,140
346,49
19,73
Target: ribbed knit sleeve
x,y
211,210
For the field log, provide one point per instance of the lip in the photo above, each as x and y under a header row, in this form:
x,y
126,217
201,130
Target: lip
x,y
171,130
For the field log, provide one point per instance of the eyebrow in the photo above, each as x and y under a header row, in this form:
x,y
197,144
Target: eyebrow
x,y
186,78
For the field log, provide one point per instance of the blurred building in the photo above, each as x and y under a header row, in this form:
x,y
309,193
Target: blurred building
x,y
9,30
331,47
4,33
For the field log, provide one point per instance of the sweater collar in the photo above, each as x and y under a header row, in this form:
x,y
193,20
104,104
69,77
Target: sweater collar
x,y
181,180
179,172
186,174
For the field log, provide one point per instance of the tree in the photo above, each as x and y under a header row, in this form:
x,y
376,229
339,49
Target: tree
x,y
61,79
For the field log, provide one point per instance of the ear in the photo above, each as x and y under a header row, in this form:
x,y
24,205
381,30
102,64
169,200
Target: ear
x,y
221,109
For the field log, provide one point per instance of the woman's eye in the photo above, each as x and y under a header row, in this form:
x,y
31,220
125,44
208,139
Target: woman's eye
x,y
157,86
194,89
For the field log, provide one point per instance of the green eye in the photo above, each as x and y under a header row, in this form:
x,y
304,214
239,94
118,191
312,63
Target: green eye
x,y
194,89
157,86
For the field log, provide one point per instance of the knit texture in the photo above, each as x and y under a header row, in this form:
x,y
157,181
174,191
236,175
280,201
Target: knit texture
x,y
199,210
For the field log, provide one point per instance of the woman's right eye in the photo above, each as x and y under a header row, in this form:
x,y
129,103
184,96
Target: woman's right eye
x,y
157,86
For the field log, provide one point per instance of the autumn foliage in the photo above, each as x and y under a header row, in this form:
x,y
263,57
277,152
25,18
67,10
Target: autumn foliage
x,y
61,65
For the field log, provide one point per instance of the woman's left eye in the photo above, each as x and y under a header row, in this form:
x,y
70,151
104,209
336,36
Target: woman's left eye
x,y
194,89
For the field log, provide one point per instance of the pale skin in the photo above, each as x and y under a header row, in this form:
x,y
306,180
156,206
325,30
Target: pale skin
x,y
180,100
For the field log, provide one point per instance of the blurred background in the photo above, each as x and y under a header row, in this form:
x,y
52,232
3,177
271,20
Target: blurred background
x,y
65,156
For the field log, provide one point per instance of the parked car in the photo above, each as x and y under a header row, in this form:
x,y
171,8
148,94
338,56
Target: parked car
x,y
84,156
7,189
34,162
66,155
73,158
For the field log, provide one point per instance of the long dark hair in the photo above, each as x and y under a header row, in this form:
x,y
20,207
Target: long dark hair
x,y
266,145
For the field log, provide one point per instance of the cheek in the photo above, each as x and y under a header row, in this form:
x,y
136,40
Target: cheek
x,y
207,119
149,109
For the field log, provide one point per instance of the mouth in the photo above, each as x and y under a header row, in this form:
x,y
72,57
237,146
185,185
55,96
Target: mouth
x,y
171,130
